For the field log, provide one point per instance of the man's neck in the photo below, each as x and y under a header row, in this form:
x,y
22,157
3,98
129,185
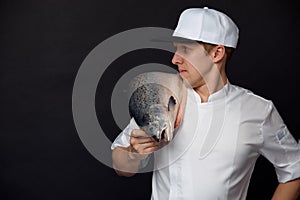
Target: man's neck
x,y
210,87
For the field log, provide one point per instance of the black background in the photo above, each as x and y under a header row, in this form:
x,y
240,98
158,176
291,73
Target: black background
x,y
44,42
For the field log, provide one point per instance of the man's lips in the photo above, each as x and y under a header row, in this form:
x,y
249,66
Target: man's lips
x,y
182,70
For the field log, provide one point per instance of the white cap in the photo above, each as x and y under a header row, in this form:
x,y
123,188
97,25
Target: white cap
x,y
207,25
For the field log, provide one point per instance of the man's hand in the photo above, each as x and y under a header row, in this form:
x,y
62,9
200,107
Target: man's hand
x,y
141,145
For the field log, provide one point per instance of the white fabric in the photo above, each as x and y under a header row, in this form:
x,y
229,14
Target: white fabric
x,y
207,25
215,149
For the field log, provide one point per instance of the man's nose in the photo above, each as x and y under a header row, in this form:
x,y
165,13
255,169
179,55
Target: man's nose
x,y
177,59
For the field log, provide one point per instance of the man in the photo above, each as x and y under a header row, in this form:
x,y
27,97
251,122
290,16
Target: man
x,y
223,130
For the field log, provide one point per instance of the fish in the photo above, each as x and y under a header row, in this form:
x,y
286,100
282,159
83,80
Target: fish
x,y
157,103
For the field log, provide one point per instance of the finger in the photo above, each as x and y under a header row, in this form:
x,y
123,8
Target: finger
x,y
139,133
140,136
142,148
135,140
150,150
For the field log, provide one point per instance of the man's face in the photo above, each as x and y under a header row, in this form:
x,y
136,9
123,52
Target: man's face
x,y
193,62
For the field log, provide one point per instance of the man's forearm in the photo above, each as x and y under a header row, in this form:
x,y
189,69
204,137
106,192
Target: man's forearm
x,y
287,191
123,164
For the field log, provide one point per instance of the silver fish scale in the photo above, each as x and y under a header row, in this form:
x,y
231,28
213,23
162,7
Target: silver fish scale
x,y
141,100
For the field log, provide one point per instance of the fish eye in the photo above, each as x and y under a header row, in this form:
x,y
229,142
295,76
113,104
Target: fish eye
x,y
172,103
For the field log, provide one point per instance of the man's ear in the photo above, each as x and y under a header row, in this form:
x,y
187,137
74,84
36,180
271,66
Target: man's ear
x,y
218,53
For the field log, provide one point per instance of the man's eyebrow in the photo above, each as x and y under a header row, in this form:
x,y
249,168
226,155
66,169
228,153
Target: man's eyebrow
x,y
175,44
179,45
189,45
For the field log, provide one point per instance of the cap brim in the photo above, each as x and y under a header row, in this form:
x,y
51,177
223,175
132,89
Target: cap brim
x,y
173,39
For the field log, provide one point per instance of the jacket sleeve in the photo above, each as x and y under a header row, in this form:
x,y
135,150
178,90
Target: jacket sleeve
x,y
280,147
123,138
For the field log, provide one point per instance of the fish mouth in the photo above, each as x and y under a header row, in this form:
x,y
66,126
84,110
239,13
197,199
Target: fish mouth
x,y
166,134
160,126
162,136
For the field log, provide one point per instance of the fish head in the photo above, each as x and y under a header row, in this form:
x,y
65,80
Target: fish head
x,y
161,121
154,108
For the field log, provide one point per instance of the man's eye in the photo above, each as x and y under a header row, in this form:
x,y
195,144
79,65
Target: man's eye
x,y
184,49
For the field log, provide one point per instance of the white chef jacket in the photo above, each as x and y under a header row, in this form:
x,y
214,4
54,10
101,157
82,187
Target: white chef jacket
x,y
213,153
